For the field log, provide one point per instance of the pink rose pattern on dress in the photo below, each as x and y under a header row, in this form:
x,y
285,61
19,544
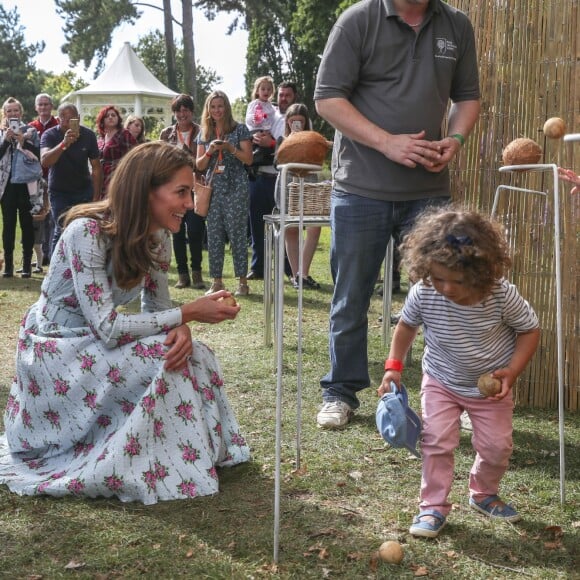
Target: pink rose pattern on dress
x,y
101,411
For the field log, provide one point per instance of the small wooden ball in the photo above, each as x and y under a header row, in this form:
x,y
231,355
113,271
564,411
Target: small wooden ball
x,y
391,552
554,128
522,151
488,385
228,300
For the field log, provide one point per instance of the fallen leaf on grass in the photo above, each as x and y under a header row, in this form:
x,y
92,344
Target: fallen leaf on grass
x,y
374,562
419,570
451,554
301,471
189,553
556,531
356,475
355,556
74,565
576,524
553,545
333,532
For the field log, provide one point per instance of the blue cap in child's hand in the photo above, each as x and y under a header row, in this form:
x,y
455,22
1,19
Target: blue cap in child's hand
x,y
399,425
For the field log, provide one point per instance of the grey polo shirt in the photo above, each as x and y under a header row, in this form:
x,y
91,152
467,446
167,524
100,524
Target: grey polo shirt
x,y
402,82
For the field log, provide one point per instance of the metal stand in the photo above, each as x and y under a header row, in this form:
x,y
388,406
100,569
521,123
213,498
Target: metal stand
x,y
559,326
279,320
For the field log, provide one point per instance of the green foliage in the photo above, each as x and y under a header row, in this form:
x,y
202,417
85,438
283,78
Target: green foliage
x,y
89,26
58,86
18,77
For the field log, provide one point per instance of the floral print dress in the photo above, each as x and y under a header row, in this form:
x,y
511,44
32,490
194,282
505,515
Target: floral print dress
x,y
92,411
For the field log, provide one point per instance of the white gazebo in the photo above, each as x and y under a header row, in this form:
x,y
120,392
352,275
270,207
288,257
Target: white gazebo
x,y
129,85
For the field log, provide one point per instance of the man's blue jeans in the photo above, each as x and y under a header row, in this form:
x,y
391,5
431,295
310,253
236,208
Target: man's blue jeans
x,y
60,203
360,231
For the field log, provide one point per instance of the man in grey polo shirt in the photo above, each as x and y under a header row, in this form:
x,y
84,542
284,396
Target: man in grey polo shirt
x,y
388,71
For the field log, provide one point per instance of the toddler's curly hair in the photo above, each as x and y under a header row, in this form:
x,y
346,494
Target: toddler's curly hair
x,y
461,240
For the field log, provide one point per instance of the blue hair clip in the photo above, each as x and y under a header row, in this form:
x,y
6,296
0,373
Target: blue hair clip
x,y
458,243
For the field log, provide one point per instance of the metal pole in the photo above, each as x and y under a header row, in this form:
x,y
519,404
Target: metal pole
x,y
559,326
279,326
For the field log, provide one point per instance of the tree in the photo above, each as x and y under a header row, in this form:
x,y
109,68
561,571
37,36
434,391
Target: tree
x,y
18,75
150,51
89,26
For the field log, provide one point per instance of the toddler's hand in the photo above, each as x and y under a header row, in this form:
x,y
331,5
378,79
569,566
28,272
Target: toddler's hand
x,y
389,376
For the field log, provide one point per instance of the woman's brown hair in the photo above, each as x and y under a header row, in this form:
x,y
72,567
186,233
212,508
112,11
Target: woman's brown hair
x,y
125,214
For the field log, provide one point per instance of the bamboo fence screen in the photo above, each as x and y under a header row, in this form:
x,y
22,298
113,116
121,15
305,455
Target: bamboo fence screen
x,y
529,55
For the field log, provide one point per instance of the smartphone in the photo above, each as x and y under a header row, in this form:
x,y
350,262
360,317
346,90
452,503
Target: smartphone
x,y
14,124
296,126
74,126
218,142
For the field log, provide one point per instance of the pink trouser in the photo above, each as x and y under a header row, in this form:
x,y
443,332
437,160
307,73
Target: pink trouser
x,y
491,439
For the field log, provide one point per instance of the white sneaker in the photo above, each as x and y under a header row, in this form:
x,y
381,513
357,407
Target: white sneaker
x,y
334,415
465,422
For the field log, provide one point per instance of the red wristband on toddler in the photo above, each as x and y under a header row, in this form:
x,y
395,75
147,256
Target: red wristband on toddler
x,y
392,364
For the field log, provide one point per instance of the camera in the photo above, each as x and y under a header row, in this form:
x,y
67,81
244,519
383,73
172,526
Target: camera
x,y
14,124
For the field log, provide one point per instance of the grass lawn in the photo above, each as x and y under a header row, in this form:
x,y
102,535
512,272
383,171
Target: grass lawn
x,y
351,493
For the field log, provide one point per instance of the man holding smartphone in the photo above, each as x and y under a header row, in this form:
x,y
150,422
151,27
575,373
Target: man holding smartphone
x,y
68,154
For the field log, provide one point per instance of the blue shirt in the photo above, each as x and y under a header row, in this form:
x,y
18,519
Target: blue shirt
x,y
71,174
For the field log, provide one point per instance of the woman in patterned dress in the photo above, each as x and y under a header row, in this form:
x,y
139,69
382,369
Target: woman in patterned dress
x,y
106,402
223,148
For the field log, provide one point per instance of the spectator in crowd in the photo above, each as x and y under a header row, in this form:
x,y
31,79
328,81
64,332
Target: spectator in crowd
x,y
223,148
113,403
17,141
192,232
136,126
298,119
113,140
262,189
387,74
44,229
72,156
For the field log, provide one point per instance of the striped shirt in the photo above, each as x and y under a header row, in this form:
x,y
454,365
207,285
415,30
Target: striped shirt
x,y
464,342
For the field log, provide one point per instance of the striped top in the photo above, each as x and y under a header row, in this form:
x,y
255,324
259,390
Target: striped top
x,y
464,342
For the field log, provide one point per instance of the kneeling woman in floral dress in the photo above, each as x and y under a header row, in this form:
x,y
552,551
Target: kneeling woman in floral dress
x,y
110,403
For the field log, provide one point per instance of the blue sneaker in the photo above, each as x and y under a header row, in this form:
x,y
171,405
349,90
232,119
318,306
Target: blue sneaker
x,y
495,508
424,527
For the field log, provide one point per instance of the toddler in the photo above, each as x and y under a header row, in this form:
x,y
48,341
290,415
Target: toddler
x,y
261,112
474,321
260,116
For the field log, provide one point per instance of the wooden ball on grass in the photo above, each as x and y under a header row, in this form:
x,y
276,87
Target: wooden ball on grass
x,y
554,128
228,300
391,552
488,385
522,151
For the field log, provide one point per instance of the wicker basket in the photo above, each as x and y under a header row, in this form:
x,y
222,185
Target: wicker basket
x,y
316,198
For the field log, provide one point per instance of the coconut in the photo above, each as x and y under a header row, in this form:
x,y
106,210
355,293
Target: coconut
x,y
554,128
522,151
303,147
488,385
391,552
229,300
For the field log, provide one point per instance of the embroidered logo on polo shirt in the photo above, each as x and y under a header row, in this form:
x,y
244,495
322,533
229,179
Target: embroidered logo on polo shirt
x,y
445,49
